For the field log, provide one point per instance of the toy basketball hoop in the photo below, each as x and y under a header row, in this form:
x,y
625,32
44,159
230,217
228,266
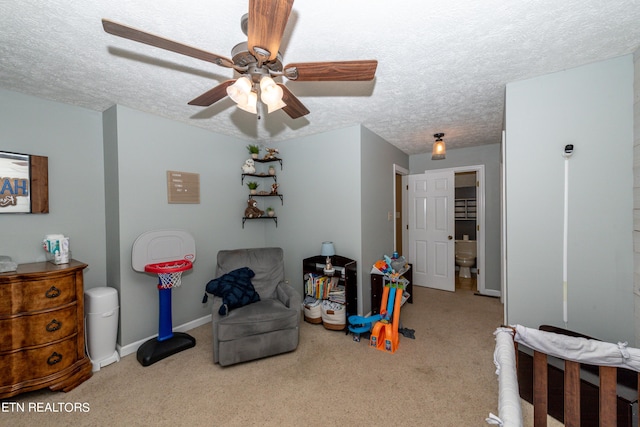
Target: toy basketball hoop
x,y
167,253
169,273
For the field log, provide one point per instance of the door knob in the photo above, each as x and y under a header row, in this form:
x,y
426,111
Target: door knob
x,y
450,237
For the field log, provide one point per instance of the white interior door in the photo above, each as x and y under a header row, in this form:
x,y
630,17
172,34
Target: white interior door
x,y
431,227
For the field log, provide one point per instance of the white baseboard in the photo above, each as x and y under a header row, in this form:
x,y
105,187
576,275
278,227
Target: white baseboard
x,y
491,293
133,347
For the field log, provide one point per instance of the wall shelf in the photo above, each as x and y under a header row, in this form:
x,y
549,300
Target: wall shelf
x,y
274,189
259,175
281,196
273,159
274,218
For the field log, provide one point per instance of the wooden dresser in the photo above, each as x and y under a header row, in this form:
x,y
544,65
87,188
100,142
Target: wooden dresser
x,y
42,328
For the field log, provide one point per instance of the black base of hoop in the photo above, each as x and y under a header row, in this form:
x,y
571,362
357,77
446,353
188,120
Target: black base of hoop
x,y
153,350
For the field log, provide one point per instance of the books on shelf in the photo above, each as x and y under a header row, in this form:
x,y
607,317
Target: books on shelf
x,y
324,287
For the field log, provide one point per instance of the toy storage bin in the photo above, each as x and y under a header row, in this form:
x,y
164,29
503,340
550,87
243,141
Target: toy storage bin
x,y
334,316
312,311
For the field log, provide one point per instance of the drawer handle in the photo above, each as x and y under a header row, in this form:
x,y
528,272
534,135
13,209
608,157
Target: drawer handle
x,y
52,292
54,325
54,358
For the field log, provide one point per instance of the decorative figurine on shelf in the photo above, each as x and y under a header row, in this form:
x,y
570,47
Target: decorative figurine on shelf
x,y
328,267
271,153
252,210
274,188
249,166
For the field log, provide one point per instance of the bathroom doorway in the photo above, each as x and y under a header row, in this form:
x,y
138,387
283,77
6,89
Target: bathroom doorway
x,y
470,190
465,234
478,226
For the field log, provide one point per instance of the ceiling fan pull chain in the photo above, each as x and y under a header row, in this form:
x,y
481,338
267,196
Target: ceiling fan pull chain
x,y
260,110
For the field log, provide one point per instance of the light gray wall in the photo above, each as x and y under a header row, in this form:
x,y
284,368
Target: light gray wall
x,y
71,138
146,146
636,191
489,156
376,189
107,175
320,182
591,107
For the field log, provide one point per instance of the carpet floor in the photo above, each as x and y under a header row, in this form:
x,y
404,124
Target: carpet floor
x,y
445,376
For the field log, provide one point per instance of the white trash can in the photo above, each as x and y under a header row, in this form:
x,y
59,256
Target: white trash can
x,y
101,325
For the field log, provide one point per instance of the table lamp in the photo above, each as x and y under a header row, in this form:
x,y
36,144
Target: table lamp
x,y
328,251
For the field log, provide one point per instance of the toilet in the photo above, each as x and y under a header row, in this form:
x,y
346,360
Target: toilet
x,y
465,256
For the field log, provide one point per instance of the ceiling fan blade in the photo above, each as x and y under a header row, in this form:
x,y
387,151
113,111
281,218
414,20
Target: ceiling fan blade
x,y
294,107
267,21
332,71
130,33
212,96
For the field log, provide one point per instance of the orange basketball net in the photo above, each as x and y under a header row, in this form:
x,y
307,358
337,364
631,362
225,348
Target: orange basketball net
x,y
169,273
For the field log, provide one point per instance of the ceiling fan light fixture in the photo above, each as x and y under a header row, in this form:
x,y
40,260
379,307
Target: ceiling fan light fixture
x,y
254,58
439,151
250,105
240,90
271,94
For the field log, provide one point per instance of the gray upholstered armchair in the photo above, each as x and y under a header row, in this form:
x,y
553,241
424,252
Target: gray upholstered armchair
x,y
259,329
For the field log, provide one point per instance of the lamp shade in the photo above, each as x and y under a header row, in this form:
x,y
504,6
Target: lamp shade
x,y
327,249
271,94
241,93
439,150
251,104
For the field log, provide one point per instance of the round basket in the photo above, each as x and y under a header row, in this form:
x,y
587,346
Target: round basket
x,y
313,313
335,320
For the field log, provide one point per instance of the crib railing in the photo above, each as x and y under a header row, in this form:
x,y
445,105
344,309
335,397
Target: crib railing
x,y
607,391
573,351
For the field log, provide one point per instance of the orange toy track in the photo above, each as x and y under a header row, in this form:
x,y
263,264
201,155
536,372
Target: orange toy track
x,y
384,335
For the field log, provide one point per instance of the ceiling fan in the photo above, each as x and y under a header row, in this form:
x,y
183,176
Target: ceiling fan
x,y
257,61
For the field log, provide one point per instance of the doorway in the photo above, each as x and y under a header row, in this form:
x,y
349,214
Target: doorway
x,y
408,232
400,210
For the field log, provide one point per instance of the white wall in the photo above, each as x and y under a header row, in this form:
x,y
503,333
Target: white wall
x,y
71,138
590,107
489,156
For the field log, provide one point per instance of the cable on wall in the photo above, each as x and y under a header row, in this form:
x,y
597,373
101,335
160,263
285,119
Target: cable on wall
x,y
568,151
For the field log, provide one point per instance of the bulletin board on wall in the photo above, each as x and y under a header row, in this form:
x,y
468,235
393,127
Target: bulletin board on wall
x,y
183,187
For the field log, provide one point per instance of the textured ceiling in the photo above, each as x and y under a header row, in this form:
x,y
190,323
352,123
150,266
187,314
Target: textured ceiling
x,y
443,64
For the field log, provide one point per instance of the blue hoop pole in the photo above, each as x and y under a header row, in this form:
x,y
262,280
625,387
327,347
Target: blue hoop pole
x,y
165,328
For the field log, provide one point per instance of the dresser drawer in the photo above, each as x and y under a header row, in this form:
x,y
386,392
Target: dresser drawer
x,y
25,365
36,295
35,329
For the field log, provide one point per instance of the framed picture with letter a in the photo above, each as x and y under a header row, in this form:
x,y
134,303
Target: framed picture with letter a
x,y
24,183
